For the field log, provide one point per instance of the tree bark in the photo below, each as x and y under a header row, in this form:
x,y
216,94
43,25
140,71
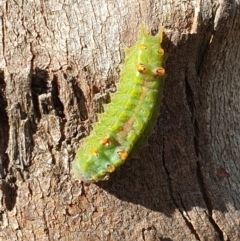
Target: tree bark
x,y
59,62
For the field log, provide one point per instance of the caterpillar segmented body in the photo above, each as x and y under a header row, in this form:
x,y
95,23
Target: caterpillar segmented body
x,y
128,119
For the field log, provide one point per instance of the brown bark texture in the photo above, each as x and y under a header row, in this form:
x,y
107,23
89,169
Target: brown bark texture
x,y
59,62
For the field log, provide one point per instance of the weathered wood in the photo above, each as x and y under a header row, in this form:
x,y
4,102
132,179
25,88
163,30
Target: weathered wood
x,y
59,61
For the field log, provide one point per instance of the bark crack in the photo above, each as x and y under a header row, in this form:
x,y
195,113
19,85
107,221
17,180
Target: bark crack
x,y
200,175
3,38
9,189
143,236
8,182
208,202
4,127
188,223
57,103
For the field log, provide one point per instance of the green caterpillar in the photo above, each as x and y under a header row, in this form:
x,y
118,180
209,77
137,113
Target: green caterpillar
x,y
128,119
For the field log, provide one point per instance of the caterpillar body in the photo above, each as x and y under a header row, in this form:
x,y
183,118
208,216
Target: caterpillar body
x,y
128,119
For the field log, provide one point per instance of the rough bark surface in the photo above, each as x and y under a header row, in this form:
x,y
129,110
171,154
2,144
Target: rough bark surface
x,y
59,62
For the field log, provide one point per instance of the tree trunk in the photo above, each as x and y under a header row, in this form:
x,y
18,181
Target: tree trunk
x,y
59,62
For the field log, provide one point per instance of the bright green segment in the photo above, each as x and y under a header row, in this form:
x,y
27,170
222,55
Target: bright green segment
x,y
127,120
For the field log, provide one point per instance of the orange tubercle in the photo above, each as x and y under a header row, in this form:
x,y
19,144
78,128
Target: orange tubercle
x,y
141,68
122,155
142,46
111,168
93,152
105,142
161,52
160,71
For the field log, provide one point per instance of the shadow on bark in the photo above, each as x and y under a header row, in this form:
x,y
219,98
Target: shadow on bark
x,y
7,186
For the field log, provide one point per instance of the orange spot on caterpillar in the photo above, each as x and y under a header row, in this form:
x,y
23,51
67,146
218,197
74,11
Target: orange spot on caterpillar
x,y
142,46
102,176
161,52
160,71
141,68
110,168
122,155
93,152
105,142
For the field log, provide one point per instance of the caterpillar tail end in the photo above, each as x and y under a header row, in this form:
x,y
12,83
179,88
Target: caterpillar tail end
x,y
85,176
78,174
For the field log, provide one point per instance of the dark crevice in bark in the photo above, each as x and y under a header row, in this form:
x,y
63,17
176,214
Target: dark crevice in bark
x,y
200,176
191,106
4,128
189,224
202,52
7,184
189,96
183,205
3,35
143,236
78,94
83,190
50,148
81,100
57,104
29,130
59,109
205,42
45,221
39,86
9,189
43,12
